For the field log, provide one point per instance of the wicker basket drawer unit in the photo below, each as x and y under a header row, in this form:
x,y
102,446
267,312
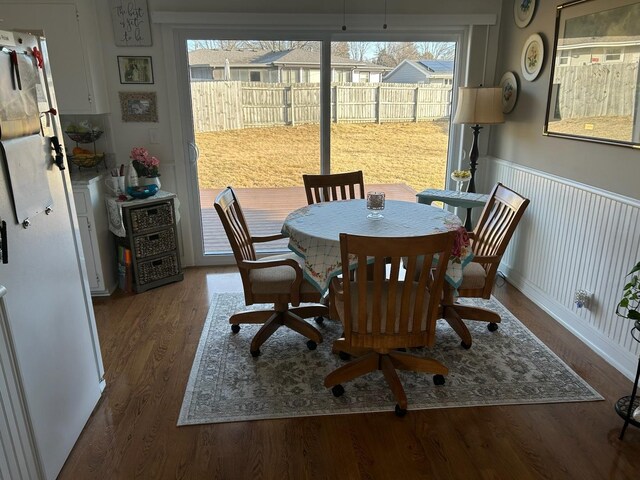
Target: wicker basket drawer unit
x,y
154,243
151,235
152,217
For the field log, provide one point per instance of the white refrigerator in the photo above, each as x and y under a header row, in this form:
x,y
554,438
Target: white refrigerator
x,y
51,375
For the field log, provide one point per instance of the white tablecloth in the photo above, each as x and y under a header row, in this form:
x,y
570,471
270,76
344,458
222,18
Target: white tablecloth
x,y
314,233
114,209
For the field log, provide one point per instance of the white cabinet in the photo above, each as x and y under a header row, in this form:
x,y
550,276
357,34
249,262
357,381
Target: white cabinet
x,y
97,243
71,32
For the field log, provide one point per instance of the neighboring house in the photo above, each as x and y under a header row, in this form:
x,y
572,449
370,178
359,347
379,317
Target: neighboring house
x,y
287,66
433,72
598,50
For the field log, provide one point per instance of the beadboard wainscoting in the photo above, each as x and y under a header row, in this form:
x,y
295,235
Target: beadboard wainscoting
x,y
573,237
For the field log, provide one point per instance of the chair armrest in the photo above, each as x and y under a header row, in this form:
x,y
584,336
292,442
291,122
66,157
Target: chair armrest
x,y
285,262
267,238
471,235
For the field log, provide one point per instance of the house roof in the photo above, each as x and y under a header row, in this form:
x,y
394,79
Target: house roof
x,y
251,57
591,42
437,66
428,68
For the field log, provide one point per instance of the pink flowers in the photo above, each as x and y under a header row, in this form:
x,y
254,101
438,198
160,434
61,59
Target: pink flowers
x,y
145,164
461,243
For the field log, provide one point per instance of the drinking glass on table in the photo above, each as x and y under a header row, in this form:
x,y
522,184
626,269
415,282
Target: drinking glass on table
x,y
375,203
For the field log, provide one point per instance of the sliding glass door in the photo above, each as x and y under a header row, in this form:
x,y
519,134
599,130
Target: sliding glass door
x,y
257,109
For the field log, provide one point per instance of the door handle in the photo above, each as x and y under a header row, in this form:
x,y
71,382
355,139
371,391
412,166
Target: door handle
x,y
194,152
4,248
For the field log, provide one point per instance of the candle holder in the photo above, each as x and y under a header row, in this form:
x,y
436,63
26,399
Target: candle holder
x,y
375,203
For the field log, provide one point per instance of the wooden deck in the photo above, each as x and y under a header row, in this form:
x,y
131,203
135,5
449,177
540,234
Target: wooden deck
x,y
266,208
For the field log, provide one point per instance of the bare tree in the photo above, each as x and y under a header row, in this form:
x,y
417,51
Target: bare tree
x,y
391,54
437,50
358,50
340,49
280,45
214,45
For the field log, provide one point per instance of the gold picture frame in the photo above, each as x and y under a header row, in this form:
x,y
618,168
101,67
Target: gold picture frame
x,y
139,107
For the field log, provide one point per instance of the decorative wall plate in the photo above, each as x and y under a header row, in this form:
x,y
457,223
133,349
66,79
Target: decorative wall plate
x,y
523,11
509,86
532,57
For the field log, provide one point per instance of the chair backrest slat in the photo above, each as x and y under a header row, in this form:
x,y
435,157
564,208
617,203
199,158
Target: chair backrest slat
x,y
498,221
337,186
391,309
235,225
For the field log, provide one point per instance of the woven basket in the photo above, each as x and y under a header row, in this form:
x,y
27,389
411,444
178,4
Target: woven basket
x,y
154,243
151,217
85,137
152,270
87,161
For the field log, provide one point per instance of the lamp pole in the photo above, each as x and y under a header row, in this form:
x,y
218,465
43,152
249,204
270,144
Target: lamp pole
x,y
473,158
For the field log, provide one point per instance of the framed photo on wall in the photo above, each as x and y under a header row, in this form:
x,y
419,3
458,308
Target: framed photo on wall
x,y
135,70
138,106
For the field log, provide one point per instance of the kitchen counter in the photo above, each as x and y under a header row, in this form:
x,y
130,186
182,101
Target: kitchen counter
x,y
86,176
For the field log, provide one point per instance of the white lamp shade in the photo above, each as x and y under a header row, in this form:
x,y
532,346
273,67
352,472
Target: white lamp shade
x,y
479,105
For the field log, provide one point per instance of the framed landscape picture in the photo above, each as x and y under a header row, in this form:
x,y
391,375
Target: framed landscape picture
x,y
135,69
138,106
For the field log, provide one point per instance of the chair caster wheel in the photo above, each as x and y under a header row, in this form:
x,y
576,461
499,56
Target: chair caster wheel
x,y
492,327
337,390
255,353
319,320
438,380
235,328
344,356
311,345
400,412
466,346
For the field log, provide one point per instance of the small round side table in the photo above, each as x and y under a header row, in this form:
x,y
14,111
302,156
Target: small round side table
x,y
627,405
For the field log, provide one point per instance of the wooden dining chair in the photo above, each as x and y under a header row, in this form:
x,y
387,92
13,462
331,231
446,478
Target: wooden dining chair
x,y
273,279
489,240
336,186
384,314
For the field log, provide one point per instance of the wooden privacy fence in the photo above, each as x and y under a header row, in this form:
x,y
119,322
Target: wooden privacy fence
x,y
596,90
221,105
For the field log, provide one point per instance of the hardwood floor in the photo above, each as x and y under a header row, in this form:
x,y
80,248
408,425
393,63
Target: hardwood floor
x,y
148,343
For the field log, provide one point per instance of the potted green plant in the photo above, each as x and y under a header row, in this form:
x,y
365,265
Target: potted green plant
x,y
629,305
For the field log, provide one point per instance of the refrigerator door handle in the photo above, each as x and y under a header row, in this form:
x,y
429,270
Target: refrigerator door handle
x,y
4,249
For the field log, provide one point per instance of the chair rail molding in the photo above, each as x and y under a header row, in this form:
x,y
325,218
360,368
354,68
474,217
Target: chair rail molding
x,y
604,232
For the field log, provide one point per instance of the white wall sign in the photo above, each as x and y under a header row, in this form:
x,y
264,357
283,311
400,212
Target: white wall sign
x,y
131,26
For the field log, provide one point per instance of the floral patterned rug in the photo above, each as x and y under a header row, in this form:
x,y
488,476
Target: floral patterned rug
x,y
506,367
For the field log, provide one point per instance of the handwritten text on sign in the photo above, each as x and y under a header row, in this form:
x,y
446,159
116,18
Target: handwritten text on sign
x,y
130,19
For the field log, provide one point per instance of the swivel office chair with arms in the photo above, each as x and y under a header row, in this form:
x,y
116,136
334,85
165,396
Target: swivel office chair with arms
x,y
274,279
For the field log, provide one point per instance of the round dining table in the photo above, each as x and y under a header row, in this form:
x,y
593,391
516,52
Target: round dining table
x,y
314,233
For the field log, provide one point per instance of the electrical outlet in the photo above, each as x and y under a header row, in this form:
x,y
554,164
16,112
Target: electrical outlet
x,y
153,136
581,298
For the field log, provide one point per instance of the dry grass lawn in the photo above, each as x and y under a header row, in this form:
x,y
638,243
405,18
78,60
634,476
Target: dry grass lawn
x,y
614,128
411,153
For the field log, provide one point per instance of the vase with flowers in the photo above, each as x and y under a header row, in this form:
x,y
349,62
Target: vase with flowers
x,y
146,166
629,307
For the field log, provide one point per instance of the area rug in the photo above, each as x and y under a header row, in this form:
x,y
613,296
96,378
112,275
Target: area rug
x,y
505,367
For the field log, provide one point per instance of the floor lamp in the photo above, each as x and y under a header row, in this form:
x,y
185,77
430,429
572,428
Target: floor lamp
x,y
478,106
